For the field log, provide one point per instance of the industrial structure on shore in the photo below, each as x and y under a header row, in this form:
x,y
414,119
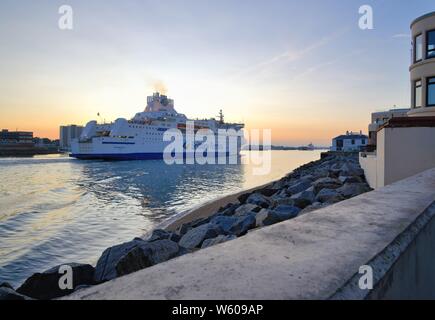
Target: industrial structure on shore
x,y
22,143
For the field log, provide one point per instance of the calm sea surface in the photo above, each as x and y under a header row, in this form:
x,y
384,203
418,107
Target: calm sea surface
x,y
54,209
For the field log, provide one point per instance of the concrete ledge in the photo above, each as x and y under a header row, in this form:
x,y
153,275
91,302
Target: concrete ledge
x,y
315,256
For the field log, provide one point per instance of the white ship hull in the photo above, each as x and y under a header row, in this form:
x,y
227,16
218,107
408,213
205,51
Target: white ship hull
x,y
142,137
131,149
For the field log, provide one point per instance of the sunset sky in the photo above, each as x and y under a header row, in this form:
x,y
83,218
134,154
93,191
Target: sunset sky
x,y
302,68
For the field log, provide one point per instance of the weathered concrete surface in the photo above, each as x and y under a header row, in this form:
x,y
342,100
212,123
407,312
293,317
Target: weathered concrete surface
x,y
315,256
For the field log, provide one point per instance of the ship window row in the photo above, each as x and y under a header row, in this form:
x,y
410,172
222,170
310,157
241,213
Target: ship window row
x,y
146,128
430,92
418,48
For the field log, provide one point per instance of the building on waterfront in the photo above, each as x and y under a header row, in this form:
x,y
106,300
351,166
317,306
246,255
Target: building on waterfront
x,y
67,133
422,69
351,141
382,117
46,143
405,146
16,143
16,137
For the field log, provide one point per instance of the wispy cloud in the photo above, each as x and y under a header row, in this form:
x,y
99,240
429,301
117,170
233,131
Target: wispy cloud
x,y
402,35
322,65
290,55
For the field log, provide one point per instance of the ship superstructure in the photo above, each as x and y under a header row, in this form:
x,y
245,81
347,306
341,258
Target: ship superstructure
x,y
142,136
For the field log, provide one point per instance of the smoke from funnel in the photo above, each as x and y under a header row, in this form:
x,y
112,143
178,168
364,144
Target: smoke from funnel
x,y
160,87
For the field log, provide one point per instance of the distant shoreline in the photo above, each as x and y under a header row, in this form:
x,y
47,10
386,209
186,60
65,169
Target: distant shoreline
x,y
26,153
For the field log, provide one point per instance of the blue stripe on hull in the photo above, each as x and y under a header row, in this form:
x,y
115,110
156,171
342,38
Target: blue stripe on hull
x,y
119,156
126,156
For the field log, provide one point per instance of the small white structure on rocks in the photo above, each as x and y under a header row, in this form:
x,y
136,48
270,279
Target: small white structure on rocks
x,y
351,141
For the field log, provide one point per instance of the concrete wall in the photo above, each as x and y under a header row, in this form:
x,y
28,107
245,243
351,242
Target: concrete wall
x,y
408,151
314,256
412,275
400,153
373,163
369,163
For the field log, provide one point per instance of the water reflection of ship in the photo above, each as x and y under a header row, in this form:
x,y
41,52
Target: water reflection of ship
x,y
155,189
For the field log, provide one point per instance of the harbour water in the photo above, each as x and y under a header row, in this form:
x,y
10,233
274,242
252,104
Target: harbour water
x,y
54,209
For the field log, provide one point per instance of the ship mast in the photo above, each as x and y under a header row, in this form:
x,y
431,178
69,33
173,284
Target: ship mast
x,y
221,117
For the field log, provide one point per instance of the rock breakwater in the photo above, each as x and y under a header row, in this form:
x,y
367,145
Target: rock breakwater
x,y
334,178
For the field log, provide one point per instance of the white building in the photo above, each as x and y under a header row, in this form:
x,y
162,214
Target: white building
x,y
405,146
351,141
67,133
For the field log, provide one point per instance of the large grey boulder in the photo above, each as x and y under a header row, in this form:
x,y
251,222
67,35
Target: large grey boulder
x,y
243,197
9,294
279,195
281,213
349,190
145,255
326,183
182,230
329,196
246,208
267,191
228,210
313,207
46,285
224,223
6,285
285,200
350,179
219,239
287,211
280,184
349,169
159,234
196,236
308,177
300,186
261,216
243,224
106,265
304,198
199,222
259,200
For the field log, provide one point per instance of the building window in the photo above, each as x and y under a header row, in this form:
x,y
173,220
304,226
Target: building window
x,y
353,141
431,91
418,95
418,48
430,44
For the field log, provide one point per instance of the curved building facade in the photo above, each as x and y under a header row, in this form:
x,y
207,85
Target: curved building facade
x,y
423,66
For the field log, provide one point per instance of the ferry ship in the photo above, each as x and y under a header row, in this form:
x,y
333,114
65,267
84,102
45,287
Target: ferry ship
x,y
142,137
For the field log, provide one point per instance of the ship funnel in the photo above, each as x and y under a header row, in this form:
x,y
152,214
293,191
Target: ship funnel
x,y
120,128
89,131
